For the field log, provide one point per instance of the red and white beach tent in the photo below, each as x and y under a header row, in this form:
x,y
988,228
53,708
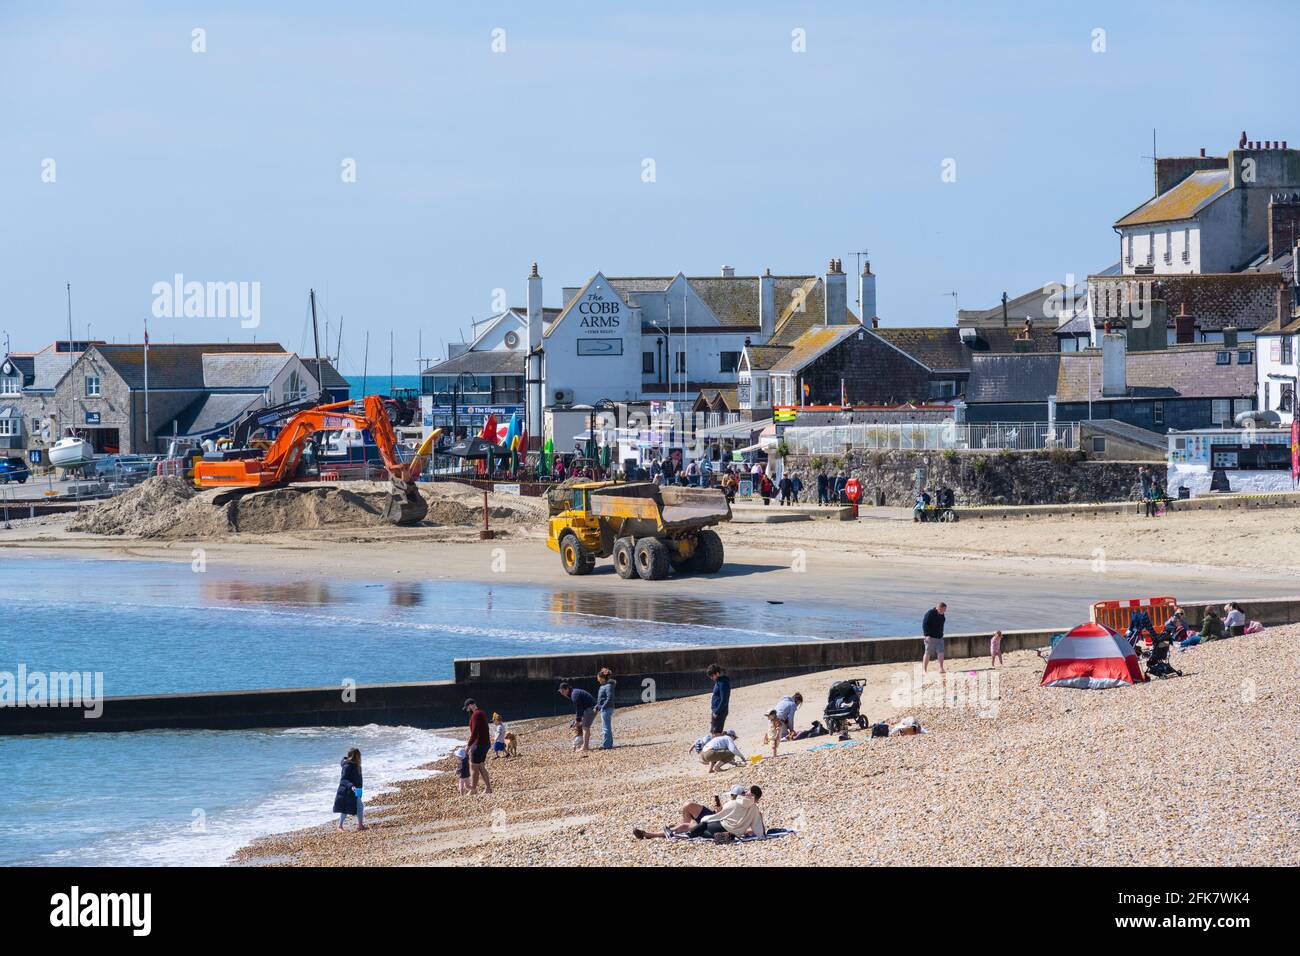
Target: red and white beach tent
x,y
1092,656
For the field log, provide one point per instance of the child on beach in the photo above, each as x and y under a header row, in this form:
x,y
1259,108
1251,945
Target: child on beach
x,y
576,726
995,648
775,729
462,771
498,737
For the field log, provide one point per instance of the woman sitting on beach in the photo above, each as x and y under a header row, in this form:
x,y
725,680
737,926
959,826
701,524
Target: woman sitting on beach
x,y
738,817
347,801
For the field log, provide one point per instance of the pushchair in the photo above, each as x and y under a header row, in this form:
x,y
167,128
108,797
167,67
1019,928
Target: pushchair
x,y
1158,663
844,707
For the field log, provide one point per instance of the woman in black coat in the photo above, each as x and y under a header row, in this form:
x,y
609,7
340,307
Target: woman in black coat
x,y
347,801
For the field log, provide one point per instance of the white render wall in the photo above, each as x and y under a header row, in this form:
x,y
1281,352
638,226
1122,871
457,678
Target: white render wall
x,y
1268,363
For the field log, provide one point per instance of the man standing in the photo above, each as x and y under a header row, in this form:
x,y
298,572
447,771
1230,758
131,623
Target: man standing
x,y
823,488
584,711
721,698
476,748
932,629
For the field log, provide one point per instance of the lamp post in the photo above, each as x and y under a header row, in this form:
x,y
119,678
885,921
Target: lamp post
x,y
604,404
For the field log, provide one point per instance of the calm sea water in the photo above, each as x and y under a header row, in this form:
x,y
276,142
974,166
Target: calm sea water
x,y
193,797
379,383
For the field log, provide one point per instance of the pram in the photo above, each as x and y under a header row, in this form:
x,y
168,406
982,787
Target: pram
x,y
844,706
1158,663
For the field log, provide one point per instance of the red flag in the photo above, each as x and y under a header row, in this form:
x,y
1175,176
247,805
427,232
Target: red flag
x,y
1295,441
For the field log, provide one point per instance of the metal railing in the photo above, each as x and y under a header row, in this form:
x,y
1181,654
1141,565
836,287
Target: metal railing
x,y
932,436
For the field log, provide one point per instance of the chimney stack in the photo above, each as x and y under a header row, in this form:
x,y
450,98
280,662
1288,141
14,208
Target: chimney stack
x,y
837,294
728,272
1283,223
867,293
533,361
1114,375
534,310
1184,326
766,305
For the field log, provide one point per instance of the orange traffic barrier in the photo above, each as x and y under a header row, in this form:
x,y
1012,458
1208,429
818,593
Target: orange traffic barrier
x,y
1116,614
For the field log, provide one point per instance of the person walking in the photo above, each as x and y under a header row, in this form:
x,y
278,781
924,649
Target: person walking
x,y
605,704
584,712
347,801
721,700
796,487
786,487
932,629
477,746
995,648
841,482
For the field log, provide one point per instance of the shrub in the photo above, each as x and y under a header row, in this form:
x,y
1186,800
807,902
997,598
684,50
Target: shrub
x,y
950,455
980,465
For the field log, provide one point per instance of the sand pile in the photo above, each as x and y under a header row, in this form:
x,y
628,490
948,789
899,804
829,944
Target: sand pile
x,y
144,511
172,509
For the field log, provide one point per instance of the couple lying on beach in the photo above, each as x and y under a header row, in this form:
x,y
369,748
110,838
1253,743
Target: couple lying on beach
x,y
738,817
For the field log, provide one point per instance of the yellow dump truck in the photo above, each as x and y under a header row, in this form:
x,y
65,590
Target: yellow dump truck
x,y
646,529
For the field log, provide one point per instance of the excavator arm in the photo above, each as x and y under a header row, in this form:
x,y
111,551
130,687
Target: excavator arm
x,y
278,464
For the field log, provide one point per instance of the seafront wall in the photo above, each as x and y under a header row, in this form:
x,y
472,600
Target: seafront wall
x,y
525,687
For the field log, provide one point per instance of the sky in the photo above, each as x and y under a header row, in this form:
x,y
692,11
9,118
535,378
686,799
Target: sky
x,y
410,161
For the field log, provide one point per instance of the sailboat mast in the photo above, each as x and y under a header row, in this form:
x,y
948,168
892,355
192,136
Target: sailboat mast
x,y
315,335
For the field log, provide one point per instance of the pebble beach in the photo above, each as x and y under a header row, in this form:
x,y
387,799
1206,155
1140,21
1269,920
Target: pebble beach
x,y
1195,770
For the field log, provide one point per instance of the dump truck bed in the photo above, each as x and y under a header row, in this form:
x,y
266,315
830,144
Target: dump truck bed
x,y
674,508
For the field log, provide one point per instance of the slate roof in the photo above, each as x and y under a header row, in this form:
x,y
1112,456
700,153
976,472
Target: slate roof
x,y
210,413
1018,377
1184,201
490,362
173,366
734,300
763,357
1215,300
1182,371
942,349
245,370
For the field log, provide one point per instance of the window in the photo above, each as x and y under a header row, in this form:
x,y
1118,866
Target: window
x,y
760,392
728,361
1287,351
1128,250
1169,246
1221,412
1222,358
681,362
92,386
1151,247
647,363
1158,413
1284,397
1187,244
10,427
11,384
1240,405
1098,445
1245,357
1266,385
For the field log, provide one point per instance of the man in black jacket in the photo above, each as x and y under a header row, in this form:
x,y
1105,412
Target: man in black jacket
x,y
932,629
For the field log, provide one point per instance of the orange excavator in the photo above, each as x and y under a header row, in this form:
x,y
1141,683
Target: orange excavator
x,y
277,464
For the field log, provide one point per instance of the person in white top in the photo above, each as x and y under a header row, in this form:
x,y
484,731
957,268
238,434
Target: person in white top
x,y
721,750
738,817
1234,620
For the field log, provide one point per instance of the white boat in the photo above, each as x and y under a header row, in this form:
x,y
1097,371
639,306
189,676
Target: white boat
x,y
71,452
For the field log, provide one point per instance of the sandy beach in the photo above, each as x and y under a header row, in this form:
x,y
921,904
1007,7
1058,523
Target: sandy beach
x,y
1197,770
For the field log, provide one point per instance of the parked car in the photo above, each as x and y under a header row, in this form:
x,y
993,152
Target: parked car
x,y
124,466
14,469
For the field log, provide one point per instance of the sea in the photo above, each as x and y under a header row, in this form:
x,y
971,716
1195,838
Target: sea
x,y
194,797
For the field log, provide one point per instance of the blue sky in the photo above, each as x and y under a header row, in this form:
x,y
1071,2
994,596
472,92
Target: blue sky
x,y
226,165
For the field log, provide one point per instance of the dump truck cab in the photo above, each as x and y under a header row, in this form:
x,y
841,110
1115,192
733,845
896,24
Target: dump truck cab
x,y
646,529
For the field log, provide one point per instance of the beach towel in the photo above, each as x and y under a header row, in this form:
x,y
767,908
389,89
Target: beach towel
x,y
1254,627
841,743
772,834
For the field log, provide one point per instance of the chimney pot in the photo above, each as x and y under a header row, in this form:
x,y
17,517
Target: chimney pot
x,y
1202,152
875,322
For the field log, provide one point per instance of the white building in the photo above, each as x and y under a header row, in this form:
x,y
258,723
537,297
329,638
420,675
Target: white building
x,y
1277,368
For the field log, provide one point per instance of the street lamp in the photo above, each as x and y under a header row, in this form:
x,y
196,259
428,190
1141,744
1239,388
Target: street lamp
x,y
604,404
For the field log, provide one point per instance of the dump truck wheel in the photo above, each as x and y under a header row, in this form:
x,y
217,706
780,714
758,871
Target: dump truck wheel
x,y
574,556
651,559
708,552
625,558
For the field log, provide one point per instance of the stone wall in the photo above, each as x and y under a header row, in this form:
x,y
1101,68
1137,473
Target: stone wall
x,y
980,478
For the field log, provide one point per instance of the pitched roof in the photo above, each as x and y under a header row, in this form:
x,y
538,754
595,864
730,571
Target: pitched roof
x,y
763,357
1181,371
1215,300
1018,377
210,413
245,370
1276,327
488,362
943,349
734,300
172,366
813,343
1184,201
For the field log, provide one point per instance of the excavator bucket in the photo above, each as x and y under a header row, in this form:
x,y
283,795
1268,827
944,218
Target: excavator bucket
x,y
405,504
